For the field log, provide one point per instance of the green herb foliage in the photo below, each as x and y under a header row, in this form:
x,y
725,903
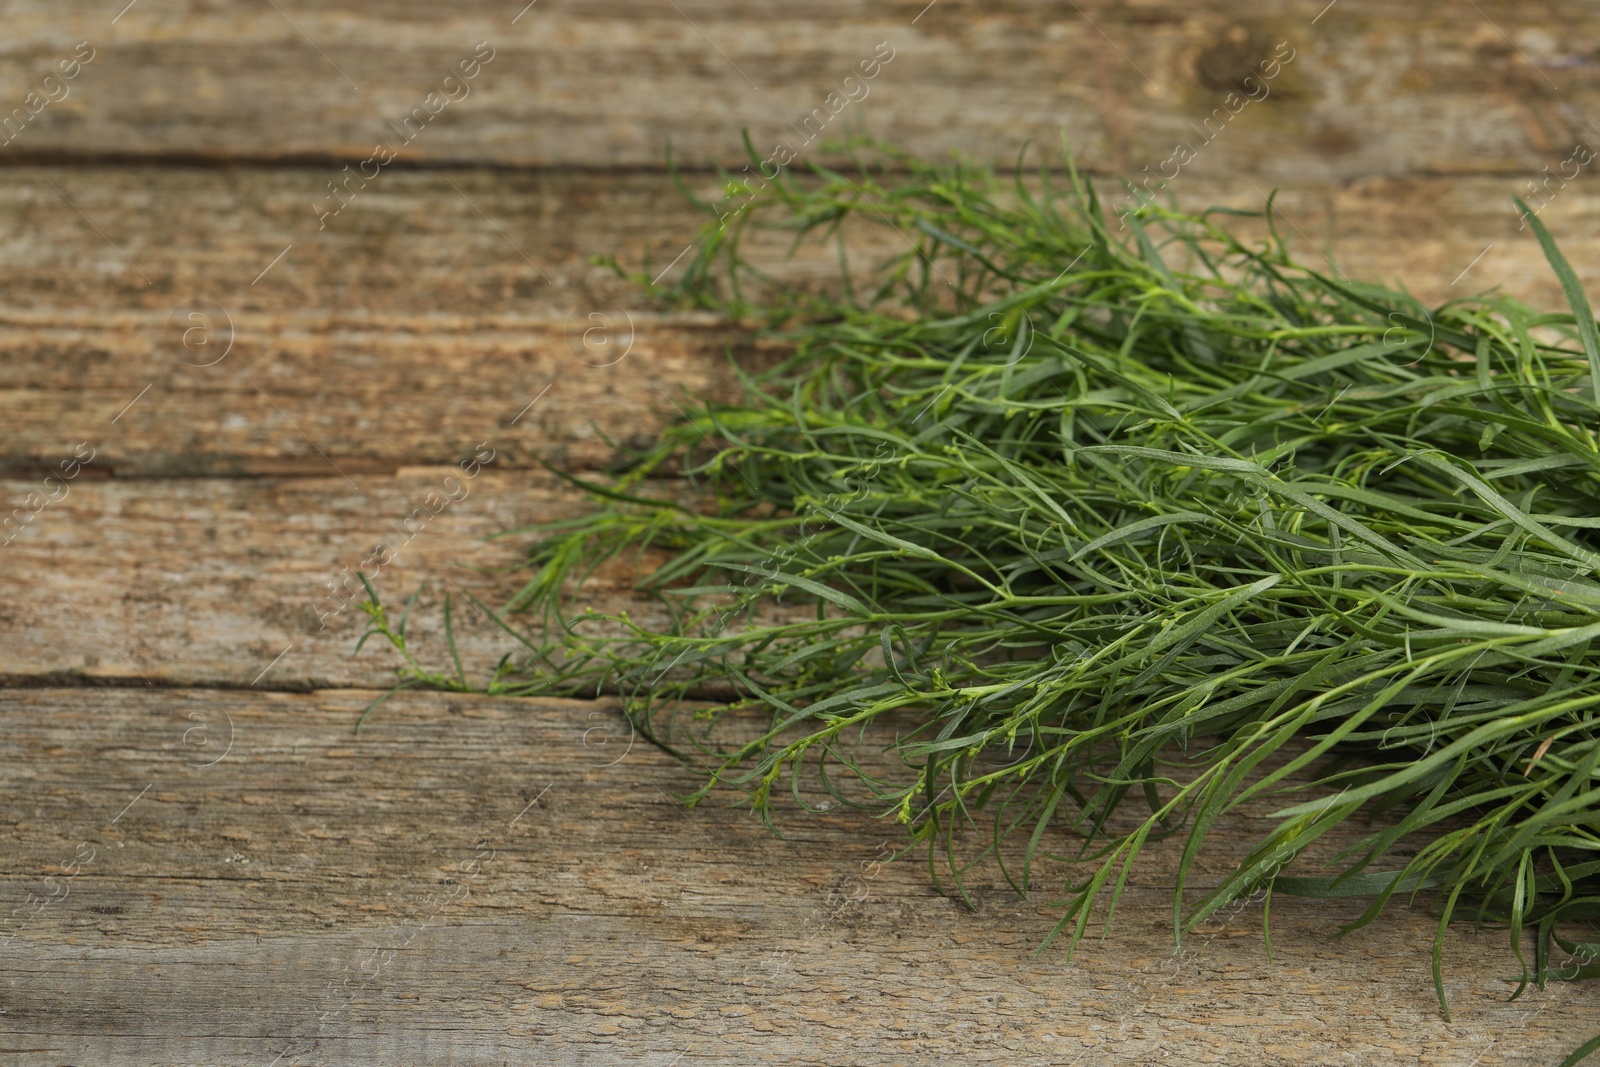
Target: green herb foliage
x,y
1100,515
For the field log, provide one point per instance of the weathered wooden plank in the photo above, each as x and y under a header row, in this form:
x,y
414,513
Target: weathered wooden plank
x,y
263,884
292,899
321,393
1370,89
418,330
390,342
209,581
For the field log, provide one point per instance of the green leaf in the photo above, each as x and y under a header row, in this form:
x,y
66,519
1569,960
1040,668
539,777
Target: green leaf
x,y
1587,333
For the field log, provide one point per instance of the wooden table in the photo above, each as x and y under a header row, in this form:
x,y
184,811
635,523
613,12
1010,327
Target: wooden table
x,y
205,865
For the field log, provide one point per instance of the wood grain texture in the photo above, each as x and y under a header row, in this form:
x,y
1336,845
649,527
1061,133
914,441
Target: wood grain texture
x,y
294,897
195,549
414,329
1431,88
268,888
206,581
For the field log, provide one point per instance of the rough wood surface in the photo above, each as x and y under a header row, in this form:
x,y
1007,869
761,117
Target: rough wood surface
x,y
1491,87
234,877
195,550
207,581
419,330
265,888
